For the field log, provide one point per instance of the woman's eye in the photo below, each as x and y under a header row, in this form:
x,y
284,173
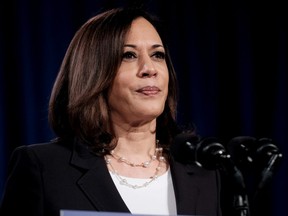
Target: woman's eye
x,y
159,55
128,55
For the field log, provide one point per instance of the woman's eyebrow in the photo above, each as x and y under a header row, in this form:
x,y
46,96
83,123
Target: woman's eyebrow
x,y
134,46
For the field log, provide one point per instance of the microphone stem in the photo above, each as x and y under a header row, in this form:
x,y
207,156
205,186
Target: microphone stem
x,y
241,203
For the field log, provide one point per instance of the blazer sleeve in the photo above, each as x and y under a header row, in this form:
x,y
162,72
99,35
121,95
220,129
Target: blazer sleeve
x,y
23,190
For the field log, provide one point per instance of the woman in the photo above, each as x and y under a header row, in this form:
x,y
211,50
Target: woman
x,y
113,109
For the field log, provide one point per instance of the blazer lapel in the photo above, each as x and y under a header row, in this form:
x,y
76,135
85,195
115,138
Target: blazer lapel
x,y
185,188
96,182
98,186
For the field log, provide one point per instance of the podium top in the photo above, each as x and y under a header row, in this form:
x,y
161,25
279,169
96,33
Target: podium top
x,y
95,213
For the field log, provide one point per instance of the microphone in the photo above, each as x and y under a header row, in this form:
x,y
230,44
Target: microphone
x,y
242,150
183,149
211,154
269,157
261,153
208,153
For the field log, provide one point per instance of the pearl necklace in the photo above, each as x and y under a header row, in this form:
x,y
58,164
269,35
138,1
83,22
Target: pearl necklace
x,y
157,156
144,164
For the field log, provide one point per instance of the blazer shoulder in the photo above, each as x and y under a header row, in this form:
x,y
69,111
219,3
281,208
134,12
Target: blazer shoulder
x,y
49,146
45,151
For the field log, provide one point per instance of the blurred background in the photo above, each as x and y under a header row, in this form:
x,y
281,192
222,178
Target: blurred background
x,y
231,58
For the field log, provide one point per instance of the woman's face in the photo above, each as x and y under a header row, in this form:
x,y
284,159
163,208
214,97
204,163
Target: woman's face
x,y
140,88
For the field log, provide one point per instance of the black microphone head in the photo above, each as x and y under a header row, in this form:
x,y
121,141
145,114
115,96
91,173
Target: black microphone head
x,y
242,150
183,148
209,153
268,158
265,149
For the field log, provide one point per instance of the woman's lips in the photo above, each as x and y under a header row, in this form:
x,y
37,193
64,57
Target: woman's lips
x,y
149,90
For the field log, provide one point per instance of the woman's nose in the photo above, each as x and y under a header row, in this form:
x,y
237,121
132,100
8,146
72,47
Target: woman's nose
x,y
147,70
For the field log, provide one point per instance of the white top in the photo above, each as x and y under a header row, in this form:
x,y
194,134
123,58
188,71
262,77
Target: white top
x,y
157,198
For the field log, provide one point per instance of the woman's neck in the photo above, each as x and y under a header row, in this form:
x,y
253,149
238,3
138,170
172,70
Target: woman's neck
x,y
138,139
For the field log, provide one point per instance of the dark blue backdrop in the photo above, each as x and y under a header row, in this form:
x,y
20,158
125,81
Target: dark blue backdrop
x,y
230,57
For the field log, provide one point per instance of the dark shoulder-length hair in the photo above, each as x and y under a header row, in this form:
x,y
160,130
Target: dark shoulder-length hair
x,y
78,104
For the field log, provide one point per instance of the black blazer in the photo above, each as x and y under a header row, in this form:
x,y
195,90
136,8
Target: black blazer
x,y
44,178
